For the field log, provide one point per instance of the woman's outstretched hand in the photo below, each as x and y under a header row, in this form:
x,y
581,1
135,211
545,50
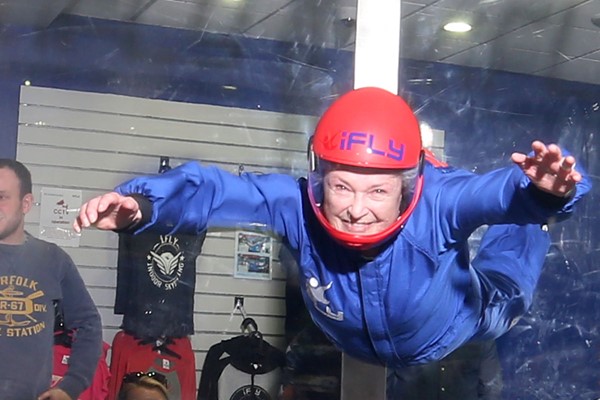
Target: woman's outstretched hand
x,y
548,169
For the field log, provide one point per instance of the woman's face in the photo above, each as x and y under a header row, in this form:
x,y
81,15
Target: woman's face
x,y
361,201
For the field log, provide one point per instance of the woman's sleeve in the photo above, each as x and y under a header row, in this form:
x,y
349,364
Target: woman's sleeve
x,y
192,197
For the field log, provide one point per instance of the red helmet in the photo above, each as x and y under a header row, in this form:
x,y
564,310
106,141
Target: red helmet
x,y
369,128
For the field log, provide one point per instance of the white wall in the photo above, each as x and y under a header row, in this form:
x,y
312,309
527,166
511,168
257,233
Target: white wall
x,y
92,142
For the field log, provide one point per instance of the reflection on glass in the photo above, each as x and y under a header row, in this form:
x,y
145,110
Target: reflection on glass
x,y
526,70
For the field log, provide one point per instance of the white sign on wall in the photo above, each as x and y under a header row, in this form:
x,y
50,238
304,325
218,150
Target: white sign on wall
x,y
58,210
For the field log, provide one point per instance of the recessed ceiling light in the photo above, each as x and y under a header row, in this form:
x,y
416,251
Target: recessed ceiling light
x,y
348,22
457,26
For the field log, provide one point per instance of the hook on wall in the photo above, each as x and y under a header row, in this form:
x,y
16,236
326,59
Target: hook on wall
x,y
238,305
248,323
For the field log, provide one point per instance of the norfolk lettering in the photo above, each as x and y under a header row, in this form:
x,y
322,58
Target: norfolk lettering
x,y
15,280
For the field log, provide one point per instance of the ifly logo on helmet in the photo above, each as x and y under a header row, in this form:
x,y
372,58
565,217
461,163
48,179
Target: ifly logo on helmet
x,y
352,139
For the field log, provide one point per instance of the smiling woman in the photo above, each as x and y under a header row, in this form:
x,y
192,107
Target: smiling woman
x,y
387,289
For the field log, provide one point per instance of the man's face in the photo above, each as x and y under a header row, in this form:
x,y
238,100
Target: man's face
x,y
361,201
12,208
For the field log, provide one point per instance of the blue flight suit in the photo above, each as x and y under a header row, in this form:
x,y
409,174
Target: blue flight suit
x,y
421,297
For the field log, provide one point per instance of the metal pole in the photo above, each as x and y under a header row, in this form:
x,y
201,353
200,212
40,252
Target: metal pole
x,y
376,63
377,49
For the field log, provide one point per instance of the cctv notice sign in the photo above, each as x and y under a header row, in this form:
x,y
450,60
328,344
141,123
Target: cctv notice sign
x,y
59,207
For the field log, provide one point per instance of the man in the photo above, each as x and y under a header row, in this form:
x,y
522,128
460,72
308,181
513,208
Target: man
x,y
379,229
35,274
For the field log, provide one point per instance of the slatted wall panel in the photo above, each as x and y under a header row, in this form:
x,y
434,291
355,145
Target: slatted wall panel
x,y
92,142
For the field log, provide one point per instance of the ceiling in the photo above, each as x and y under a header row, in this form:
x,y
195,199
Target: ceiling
x,y
550,38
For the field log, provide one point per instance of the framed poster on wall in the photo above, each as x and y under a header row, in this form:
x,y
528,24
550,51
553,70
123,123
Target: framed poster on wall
x,y
253,255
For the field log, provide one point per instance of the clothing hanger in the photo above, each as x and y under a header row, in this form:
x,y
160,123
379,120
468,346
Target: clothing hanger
x,y
249,327
160,345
